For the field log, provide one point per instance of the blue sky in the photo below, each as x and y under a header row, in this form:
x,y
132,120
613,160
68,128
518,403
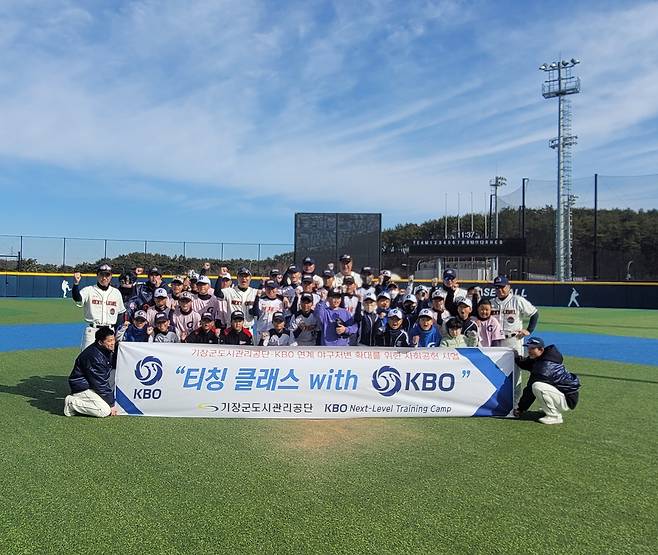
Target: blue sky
x,y
209,120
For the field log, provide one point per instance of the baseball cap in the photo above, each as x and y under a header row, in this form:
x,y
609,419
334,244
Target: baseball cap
x,y
278,316
385,273
307,298
327,274
292,269
335,293
160,317
155,272
269,283
140,314
384,294
307,278
178,279
537,342
464,300
500,281
449,273
226,277
392,285
244,271
409,298
185,295
395,313
438,294
370,297
345,258
366,271
275,272
426,313
160,292
308,260
421,289
237,315
348,279
104,268
207,316
203,279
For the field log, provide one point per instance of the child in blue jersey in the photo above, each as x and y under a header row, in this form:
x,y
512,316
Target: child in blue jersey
x,y
425,332
135,331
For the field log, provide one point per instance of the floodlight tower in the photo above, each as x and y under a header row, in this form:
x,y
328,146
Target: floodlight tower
x,y
561,82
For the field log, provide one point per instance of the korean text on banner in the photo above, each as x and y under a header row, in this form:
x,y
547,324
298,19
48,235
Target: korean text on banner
x,y
313,382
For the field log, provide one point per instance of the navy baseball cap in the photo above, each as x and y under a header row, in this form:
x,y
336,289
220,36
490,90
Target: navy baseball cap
x,y
244,271
237,315
308,260
292,269
275,272
537,342
306,298
366,271
335,293
449,273
155,272
345,258
207,316
160,317
270,283
500,281
307,278
104,269
278,316
348,279
327,274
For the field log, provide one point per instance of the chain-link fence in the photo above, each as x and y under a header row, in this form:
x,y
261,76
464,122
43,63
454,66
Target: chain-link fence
x,y
37,253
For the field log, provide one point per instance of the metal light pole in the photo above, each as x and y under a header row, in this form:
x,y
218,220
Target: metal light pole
x,y
496,183
560,83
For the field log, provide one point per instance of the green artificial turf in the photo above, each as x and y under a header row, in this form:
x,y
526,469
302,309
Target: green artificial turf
x,y
607,321
434,485
33,311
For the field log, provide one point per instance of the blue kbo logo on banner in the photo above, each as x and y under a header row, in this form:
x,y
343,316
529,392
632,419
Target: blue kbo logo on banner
x,y
388,381
149,372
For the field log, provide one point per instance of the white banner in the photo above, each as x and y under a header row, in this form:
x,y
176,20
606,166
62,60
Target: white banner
x,y
314,382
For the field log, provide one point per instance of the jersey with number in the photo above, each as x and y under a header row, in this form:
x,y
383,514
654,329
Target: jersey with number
x,y
185,324
101,307
241,300
267,309
511,311
208,304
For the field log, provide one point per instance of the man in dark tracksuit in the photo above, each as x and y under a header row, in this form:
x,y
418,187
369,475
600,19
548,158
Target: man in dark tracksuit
x,y
550,383
91,391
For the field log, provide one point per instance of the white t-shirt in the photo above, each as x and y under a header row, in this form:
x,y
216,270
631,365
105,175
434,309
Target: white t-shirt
x,y
511,311
101,307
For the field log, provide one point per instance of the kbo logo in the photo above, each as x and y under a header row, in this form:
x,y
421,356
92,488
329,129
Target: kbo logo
x,y
388,381
149,372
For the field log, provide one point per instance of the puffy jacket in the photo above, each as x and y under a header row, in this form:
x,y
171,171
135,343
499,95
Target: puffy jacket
x,y
199,335
91,370
548,368
393,338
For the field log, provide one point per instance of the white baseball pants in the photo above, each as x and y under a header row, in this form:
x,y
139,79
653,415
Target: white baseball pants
x,y
86,402
551,400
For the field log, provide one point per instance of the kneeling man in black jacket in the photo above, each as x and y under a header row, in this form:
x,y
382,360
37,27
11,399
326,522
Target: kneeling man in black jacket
x,y
550,383
91,392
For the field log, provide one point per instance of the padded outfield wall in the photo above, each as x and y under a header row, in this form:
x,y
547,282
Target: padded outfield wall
x,y
541,293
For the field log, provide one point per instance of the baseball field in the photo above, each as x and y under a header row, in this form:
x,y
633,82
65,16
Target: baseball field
x,y
417,485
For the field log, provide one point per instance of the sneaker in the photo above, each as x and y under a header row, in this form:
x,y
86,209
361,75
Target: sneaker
x,y
551,419
68,411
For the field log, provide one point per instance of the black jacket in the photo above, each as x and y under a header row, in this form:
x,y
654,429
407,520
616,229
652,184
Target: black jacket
x,y
231,337
199,335
393,338
548,368
368,329
91,370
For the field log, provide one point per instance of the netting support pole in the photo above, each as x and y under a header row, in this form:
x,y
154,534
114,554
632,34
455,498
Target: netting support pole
x,y
524,184
595,253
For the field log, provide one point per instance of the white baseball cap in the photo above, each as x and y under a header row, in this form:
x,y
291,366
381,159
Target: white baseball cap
x,y
203,279
370,297
409,298
464,300
160,292
395,313
426,312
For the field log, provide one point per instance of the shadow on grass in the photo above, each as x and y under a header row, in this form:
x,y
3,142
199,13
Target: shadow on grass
x,y
44,392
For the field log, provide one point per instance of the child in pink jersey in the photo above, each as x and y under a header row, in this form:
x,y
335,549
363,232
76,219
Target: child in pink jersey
x,y
489,329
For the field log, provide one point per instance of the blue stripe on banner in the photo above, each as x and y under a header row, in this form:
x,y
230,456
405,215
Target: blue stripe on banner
x,y
501,402
125,403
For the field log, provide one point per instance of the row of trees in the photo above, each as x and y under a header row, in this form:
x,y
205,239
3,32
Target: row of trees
x,y
624,236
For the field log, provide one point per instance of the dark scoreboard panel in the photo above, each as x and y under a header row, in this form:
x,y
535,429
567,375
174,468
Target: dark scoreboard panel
x,y
325,236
